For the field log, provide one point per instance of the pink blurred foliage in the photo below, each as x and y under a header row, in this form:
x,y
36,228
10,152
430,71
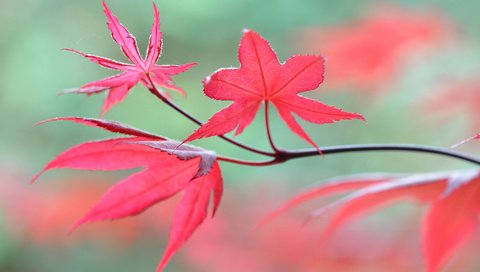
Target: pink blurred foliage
x,y
367,54
43,213
234,242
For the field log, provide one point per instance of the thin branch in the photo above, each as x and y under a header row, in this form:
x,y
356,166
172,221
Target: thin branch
x,y
295,154
248,163
153,89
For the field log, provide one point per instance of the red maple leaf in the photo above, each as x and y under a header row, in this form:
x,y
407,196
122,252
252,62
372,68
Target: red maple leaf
x,y
144,71
454,200
261,78
165,172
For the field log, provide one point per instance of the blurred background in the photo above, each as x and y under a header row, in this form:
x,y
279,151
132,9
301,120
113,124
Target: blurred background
x,y
410,67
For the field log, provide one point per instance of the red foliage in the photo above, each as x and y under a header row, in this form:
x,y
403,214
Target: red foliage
x,y
261,78
450,221
164,174
144,71
229,243
367,53
59,208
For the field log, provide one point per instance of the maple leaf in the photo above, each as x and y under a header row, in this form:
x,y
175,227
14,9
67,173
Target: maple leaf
x,y
261,78
448,223
164,173
141,70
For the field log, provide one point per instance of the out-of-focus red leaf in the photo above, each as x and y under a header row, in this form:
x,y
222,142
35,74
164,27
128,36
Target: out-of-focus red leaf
x,y
261,78
356,55
337,185
449,222
454,199
144,71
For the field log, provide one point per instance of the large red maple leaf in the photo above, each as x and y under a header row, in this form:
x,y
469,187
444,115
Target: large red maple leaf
x,y
454,200
165,172
141,70
261,78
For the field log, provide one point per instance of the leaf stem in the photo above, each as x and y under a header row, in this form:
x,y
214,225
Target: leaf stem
x,y
153,89
267,125
248,163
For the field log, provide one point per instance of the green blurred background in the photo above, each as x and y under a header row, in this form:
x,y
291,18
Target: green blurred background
x,y
33,69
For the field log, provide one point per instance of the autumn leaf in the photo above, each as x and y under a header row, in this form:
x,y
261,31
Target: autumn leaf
x,y
448,223
144,71
163,174
261,78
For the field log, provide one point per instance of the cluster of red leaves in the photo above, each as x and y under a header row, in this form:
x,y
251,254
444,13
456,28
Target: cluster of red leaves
x,y
454,200
367,54
261,78
145,71
169,167
166,172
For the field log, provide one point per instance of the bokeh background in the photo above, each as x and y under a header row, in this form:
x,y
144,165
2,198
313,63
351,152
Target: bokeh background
x,y
410,67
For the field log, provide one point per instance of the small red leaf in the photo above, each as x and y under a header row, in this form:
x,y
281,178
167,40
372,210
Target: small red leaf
x,y
142,71
261,78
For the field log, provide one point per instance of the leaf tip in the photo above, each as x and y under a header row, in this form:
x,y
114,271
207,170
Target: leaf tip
x,y
78,224
246,30
34,178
